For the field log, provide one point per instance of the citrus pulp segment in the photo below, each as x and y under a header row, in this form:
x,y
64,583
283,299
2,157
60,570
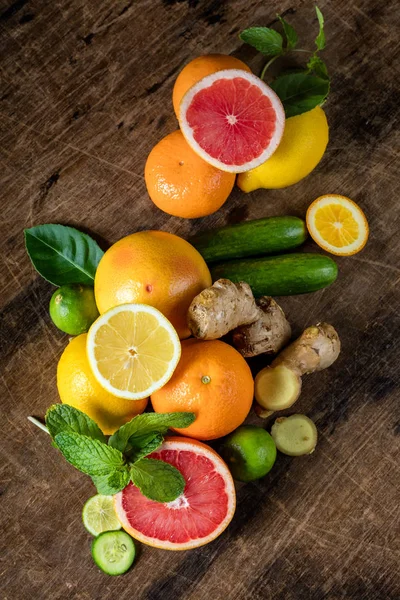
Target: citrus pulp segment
x,y
232,119
198,516
133,350
337,224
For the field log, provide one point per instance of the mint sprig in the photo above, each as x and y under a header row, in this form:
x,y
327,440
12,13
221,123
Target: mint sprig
x,y
265,40
148,423
112,465
88,455
60,418
299,91
157,479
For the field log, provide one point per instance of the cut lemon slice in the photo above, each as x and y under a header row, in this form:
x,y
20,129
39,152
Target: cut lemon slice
x,y
337,224
133,350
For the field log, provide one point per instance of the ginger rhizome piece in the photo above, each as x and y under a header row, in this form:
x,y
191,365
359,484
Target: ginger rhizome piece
x,y
295,435
278,386
220,308
225,306
267,335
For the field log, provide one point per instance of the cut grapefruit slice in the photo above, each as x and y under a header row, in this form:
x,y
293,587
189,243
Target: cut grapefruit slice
x,y
232,119
198,516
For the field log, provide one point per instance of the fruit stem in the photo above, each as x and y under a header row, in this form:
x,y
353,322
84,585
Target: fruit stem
x,y
267,65
38,424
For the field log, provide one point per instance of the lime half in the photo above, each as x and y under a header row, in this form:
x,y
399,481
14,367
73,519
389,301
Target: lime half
x,y
98,515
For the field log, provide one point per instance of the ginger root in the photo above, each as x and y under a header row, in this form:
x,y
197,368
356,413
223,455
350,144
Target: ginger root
x,y
225,306
295,435
278,386
267,335
220,308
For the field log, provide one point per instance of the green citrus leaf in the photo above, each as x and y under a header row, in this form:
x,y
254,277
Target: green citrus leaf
x,y
320,39
87,455
300,92
290,33
65,418
265,40
62,254
157,480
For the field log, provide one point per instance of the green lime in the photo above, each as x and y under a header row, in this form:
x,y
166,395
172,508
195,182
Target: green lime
x,y
73,308
98,515
249,452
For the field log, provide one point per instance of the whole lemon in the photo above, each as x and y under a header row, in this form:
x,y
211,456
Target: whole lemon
x,y
302,146
78,388
152,267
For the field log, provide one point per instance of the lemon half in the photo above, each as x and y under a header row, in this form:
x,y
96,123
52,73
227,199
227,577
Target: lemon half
x,y
133,350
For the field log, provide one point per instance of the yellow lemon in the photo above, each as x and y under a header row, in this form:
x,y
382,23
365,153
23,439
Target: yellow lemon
x,y
78,387
302,146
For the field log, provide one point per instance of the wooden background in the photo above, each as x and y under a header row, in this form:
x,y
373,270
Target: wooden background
x,y
85,93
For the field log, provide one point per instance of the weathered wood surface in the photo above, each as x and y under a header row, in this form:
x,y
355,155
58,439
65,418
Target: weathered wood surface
x,y
85,93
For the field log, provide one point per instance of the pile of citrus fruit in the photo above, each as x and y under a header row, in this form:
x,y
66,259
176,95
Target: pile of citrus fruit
x,y
230,122
131,328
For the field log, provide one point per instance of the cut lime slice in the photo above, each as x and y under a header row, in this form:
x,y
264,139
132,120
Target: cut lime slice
x,y
98,515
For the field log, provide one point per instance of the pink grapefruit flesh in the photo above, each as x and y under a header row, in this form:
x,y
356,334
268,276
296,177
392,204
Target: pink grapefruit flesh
x,y
198,516
232,119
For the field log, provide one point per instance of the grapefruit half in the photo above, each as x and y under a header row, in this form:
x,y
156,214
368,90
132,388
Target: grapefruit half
x,y
198,516
232,119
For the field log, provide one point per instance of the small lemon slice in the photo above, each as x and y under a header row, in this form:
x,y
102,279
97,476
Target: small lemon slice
x,y
337,224
133,350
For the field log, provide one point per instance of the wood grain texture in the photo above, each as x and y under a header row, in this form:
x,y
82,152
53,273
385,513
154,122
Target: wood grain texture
x,y
85,92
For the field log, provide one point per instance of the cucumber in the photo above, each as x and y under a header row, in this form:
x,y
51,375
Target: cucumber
x,y
113,552
283,275
251,238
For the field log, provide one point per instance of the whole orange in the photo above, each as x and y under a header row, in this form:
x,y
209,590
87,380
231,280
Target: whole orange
x,y
201,67
213,381
181,183
152,267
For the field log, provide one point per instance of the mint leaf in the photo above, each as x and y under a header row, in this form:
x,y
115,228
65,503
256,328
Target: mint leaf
x,y
317,65
300,92
62,254
157,479
290,33
320,39
143,445
265,40
113,483
148,423
87,455
65,418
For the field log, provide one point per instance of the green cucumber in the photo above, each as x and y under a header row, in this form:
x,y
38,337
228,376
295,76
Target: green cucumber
x,y
251,238
113,552
284,275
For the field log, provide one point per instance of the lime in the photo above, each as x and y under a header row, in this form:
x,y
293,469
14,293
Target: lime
x,y
250,452
73,308
98,515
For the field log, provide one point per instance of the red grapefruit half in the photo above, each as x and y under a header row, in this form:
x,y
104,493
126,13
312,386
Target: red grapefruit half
x,y
201,514
232,119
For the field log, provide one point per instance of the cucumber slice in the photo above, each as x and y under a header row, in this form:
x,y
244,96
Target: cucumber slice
x,y
98,515
113,552
295,435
